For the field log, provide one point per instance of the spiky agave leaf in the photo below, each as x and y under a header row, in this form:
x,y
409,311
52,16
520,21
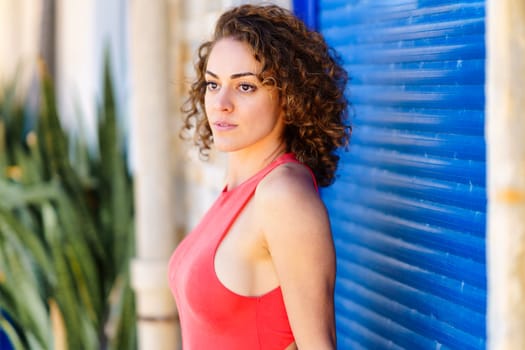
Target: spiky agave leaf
x,y
73,226
23,290
54,146
11,333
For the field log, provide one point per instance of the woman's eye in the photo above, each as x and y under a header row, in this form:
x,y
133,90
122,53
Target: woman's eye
x,y
246,87
211,86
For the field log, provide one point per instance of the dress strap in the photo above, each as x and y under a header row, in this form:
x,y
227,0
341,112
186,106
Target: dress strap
x,y
285,158
256,178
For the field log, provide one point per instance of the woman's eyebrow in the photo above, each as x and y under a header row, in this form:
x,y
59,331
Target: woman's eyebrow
x,y
233,76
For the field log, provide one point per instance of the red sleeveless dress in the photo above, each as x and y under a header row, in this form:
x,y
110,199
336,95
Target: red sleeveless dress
x,y
212,316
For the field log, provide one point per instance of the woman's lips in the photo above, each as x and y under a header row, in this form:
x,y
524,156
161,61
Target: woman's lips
x,y
223,126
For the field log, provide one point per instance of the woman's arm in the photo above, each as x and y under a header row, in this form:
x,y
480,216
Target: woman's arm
x,y
297,231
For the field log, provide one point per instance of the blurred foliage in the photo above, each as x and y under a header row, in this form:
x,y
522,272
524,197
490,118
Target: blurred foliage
x,y
66,229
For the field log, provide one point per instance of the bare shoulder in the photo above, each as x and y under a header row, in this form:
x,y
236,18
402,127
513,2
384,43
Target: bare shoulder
x,y
287,183
287,197
296,231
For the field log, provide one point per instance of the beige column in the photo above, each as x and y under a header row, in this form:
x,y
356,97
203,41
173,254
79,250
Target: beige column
x,y
19,40
505,131
152,135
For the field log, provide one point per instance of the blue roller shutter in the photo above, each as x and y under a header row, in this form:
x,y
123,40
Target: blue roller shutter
x,y
408,208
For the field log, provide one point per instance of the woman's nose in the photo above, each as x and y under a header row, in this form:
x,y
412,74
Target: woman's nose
x,y
223,100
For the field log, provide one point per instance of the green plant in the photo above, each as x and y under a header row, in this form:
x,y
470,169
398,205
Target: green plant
x,y
66,229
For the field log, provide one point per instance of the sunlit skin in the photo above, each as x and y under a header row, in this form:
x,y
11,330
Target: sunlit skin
x,y
282,237
244,116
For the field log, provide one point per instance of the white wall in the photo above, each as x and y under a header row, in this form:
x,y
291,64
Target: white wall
x,y
19,40
84,29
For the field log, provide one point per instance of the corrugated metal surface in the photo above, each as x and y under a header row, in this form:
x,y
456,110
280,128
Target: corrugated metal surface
x,y
408,208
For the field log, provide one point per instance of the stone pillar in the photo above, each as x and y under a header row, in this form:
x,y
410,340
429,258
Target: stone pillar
x,y
154,181
19,41
77,73
505,130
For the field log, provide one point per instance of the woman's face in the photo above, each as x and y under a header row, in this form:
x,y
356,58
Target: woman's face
x,y
242,113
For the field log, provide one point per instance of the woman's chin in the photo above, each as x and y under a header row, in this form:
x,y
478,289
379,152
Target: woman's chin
x,y
225,147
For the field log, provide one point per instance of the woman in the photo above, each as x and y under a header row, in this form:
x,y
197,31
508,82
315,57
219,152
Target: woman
x,y
258,271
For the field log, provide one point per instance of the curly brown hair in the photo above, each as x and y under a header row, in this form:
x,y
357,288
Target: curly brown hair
x,y
307,73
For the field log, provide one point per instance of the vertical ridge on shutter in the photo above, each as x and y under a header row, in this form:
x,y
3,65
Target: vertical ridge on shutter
x,y
408,208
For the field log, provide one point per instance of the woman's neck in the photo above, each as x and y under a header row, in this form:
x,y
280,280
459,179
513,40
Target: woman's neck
x,y
244,164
